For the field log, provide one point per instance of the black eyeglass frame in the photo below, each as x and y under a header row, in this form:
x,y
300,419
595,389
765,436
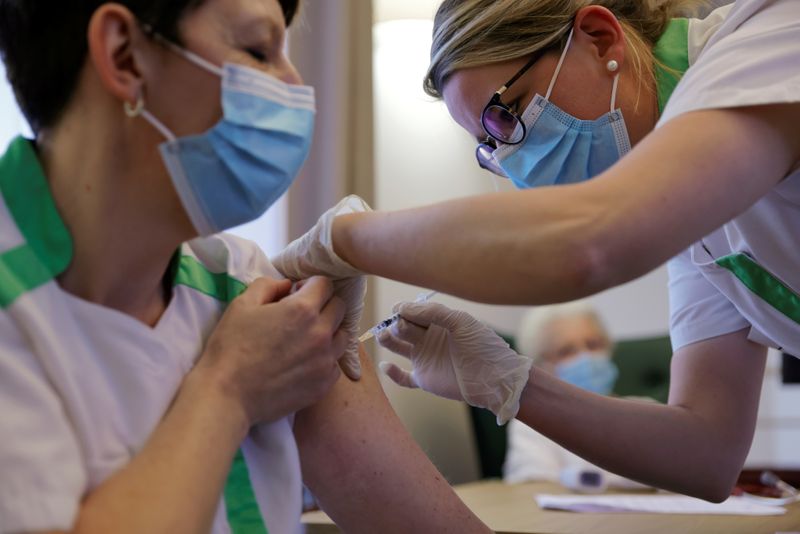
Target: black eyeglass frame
x,y
490,144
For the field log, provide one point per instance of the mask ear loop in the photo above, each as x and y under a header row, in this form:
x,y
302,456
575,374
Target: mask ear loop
x,y
558,67
614,91
138,110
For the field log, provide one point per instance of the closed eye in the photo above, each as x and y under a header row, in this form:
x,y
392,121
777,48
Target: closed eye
x,y
257,54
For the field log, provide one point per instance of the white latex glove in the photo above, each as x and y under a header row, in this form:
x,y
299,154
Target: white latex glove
x,y
455,356
313,254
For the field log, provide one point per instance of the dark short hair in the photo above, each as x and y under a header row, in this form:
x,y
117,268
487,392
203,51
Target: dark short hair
x,y
43,46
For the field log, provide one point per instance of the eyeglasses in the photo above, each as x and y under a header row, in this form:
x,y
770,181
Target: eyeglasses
x,y
501,123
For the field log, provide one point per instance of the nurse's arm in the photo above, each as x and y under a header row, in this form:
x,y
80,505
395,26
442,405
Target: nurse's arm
x,y
696,444
367,472
680,183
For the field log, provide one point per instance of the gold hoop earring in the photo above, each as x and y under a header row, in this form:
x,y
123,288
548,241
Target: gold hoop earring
x,y
136,109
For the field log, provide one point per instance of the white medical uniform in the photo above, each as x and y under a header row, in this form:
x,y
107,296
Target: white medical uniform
x,y
82,387
746,274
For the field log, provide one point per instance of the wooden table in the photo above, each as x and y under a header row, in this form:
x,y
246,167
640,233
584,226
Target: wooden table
x,y
512,509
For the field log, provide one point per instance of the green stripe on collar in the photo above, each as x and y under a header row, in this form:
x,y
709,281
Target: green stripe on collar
x,y
48,246
191,273
672,59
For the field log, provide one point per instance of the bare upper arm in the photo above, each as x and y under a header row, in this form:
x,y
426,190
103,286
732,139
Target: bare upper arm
x,y
365,469
719,380
684,180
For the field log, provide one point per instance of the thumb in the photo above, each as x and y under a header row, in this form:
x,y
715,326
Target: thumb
x,y
351,364
399,376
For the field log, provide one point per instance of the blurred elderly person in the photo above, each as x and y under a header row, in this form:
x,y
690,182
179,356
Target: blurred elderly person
x,y
569,341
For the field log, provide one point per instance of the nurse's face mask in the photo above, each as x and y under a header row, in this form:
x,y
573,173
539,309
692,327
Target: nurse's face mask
x,y
232,173
546,145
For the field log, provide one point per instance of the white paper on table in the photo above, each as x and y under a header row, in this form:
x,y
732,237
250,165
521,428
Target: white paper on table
x,y
654,504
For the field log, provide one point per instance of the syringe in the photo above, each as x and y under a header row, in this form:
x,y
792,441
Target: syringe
x,y
389,321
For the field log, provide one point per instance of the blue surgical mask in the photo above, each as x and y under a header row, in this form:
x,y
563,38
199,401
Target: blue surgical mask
x,y
593,372
235,171
561,149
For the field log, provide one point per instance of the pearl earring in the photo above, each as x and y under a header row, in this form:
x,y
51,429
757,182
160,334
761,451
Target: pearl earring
x,y
612,65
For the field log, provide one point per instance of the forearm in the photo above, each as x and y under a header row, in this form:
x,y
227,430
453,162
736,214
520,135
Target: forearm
x,y
663,446
695,445
479,248
367,472
174,484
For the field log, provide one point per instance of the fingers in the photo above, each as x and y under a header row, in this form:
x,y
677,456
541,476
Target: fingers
x,y
315,292
387,340
333,314
408,332
265,289
423,313
398,376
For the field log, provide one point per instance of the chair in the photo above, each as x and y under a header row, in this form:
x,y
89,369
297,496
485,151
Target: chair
x,y
643,372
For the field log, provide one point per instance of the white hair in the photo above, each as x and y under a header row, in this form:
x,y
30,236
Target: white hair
x,y
535,322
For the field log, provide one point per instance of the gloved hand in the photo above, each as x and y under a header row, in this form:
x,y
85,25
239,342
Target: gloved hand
x,y
313,254
455,356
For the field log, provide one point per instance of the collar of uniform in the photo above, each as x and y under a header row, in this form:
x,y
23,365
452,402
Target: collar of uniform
x,y
671,54
27,195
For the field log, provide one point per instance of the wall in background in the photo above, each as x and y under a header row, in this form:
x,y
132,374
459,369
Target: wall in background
x,y
12,123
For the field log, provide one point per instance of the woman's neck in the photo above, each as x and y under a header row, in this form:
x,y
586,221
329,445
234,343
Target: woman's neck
x,y
121,211
641,106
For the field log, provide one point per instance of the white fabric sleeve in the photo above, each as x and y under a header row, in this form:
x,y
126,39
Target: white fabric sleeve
x,y
42,475
698,311
530,455
752,59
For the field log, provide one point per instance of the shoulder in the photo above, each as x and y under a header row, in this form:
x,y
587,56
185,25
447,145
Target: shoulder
x,y
744,62
222,265
241,258
698,310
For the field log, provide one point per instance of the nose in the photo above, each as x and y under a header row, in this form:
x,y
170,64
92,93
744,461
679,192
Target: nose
x,y
291,75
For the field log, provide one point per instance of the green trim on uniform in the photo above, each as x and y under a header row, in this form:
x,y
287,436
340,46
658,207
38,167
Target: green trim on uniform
x,y
47,250
20,271
764,284
193,274
244,515
672,59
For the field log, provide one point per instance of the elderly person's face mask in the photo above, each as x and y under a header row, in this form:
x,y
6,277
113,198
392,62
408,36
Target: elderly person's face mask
x,y
592,371
235,171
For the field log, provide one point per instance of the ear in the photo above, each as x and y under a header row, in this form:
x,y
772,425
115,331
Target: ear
x,y
113,31
599,28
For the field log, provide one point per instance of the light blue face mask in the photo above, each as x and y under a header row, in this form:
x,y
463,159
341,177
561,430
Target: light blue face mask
x,y
560,149
232,173
590,371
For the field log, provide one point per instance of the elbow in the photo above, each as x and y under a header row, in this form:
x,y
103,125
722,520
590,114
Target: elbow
x,y
716,483
717,491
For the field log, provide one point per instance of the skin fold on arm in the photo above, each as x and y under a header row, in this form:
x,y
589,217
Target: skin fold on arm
x,y
365,469
554,244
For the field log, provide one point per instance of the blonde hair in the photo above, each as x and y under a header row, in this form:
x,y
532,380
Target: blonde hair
x,y
532,330
474,33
